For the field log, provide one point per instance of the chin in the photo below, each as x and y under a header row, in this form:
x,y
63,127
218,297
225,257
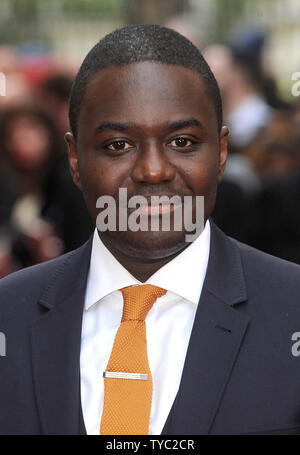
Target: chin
x,y
148,245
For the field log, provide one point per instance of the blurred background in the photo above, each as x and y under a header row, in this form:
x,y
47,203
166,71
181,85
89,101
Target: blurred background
x,y
252,47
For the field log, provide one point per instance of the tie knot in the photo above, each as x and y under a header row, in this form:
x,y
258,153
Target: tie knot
x,y
138,301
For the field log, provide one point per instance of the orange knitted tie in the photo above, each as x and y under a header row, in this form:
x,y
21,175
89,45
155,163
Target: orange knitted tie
x,y
127,379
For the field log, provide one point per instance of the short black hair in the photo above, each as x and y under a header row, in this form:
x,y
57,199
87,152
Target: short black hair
x,y
139,43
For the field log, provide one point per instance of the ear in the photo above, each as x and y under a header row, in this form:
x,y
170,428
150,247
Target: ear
x,y
73,159
223,151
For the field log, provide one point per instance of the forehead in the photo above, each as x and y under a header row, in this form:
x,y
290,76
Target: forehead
x,y
145,93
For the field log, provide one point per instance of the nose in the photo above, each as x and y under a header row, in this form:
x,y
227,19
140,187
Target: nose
x,y
152,166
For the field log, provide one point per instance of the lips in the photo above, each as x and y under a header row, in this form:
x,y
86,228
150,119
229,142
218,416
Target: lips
x,y
154,210
152,205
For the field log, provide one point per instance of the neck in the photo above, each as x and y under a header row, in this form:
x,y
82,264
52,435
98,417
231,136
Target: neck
x,y
140,267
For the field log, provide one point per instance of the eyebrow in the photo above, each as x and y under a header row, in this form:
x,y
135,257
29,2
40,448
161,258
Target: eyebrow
x,y
118,126
184,123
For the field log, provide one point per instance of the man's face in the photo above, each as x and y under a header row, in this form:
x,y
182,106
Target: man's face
x,y
152,129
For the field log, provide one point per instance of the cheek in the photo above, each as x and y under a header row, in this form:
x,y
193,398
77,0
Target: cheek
x,y
202,178
99,178
95,183
202,175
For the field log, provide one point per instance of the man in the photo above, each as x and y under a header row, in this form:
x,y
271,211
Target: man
x,y
221,350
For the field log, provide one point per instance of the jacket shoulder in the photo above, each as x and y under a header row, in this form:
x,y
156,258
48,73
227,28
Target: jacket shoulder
x,y
32,280
268,271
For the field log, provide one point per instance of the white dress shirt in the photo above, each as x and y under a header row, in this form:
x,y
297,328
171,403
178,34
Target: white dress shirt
x,y
168,325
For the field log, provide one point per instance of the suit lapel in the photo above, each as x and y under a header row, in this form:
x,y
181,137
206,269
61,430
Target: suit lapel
x,y
56,339
215,341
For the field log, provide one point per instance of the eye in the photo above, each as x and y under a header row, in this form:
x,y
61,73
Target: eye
x,y
119,145
180,142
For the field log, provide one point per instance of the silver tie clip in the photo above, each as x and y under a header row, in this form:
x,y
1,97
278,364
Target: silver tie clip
x,y
122,375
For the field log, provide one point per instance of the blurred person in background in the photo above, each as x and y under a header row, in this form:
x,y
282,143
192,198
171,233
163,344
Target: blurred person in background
x,y
53,94
34,177
250,104
275,154
28,145
245,107
234,199
63,202
238,70
275,151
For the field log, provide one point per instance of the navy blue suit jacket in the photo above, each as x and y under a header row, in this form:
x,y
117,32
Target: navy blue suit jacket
x,y
240,375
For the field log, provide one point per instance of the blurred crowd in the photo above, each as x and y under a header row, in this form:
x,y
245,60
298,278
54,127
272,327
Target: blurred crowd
x,y
42,213
259,196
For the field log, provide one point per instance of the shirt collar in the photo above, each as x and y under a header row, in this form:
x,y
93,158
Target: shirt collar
x,y
184,275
